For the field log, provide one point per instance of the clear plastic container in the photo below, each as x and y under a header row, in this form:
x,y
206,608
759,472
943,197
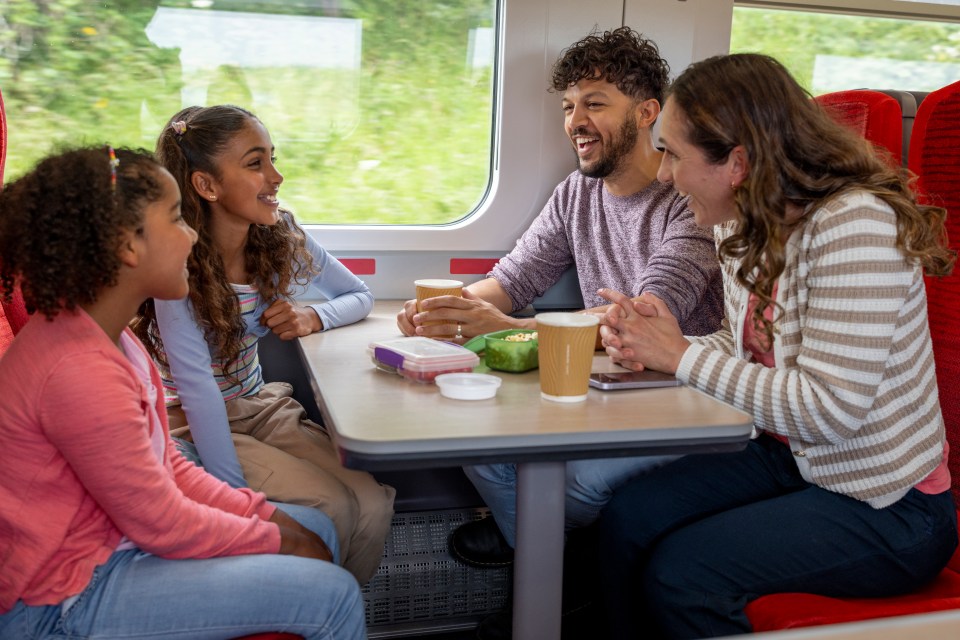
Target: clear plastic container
x,y
421,359
468,386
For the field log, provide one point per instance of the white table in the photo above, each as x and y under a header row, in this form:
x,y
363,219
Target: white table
x,y
381,421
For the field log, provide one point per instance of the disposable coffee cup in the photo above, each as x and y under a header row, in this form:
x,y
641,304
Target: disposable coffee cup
x,y
566,342
431,288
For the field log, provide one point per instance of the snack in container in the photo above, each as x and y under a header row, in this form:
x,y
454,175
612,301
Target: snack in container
x,y
512,350
421,359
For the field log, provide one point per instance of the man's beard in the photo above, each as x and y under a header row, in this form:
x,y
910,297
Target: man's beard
x,y
613,155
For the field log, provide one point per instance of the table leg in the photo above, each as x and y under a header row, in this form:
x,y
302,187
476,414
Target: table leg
x,y
538,561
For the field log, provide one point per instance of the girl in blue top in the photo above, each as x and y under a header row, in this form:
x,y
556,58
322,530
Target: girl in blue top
x,y
249,261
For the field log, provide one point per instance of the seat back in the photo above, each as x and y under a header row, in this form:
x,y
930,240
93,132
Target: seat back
x,y
874,115
13,314
908,110
15,311
6,333
935,159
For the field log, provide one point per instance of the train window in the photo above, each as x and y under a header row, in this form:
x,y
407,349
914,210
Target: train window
x,y
830,51
382,111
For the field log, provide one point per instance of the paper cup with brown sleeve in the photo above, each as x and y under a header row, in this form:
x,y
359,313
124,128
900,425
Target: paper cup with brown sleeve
x,y
566,342
433,287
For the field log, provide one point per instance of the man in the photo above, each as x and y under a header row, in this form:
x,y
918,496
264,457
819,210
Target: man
x,y
619,226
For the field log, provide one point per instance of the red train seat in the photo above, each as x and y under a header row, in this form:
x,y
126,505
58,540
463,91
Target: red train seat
x,y
935,157
6,332
15,312
12,314
908,108
876,116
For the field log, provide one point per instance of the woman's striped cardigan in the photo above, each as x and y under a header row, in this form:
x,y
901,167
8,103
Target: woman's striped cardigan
x,y
853,388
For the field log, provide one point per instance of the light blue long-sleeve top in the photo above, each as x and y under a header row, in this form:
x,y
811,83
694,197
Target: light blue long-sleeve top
x,y
195,377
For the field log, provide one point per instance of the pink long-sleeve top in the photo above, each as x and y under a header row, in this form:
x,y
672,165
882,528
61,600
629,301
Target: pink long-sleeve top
x,y
78,472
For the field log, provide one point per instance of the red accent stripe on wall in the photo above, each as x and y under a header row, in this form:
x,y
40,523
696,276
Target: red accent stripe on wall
x,y
360,266
472,266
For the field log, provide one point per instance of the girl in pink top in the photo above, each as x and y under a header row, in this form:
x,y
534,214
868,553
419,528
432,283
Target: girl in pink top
x,y
104,527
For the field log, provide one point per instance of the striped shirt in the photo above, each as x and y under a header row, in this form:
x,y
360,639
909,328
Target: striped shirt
x,y
246,371
854,389
195,378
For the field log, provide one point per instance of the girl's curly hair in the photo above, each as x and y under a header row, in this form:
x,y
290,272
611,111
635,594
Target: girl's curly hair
x,y
61,224
798,155
621,57
276,256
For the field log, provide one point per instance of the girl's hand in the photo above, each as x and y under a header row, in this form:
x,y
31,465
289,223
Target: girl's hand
x,y
290,321
641,334
297,540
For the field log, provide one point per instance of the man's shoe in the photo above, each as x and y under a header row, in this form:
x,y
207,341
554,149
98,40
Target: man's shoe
x,y
480,544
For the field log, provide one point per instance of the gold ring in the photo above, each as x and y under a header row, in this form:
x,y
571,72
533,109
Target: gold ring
x,y
459,330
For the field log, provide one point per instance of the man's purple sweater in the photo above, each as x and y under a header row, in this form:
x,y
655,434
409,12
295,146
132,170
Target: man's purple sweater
x,y
645,242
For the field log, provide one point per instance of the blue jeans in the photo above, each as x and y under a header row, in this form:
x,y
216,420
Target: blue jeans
x,y
590,485
683,550
136,594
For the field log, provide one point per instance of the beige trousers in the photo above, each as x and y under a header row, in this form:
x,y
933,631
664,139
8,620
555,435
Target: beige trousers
x,y
291,459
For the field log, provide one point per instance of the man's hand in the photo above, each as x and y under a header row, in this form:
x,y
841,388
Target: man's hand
x,y
474,316
405,318
290,321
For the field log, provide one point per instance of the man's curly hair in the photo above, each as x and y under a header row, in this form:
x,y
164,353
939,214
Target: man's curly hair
x,y
61,225
621,57
276,256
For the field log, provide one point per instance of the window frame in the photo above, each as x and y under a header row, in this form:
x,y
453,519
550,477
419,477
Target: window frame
x,y
878,8
530,156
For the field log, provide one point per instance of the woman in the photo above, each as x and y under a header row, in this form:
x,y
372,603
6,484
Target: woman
x,y
845,491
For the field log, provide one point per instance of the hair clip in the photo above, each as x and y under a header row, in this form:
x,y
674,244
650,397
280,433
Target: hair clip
x,y
114,163
179,127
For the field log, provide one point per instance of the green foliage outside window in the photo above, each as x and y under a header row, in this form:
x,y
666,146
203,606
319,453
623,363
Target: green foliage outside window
x,y
906,51
406,139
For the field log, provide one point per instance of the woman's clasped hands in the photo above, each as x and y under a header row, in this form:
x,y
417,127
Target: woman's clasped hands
x,y
641,333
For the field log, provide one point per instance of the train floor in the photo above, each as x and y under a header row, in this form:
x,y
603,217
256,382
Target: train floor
x,y
582,612
460,635
577,626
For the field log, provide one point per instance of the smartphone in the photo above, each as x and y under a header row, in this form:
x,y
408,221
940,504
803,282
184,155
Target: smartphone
x,y
645,379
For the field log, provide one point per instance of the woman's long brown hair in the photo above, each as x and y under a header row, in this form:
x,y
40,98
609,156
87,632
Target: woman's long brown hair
x,y
798,155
